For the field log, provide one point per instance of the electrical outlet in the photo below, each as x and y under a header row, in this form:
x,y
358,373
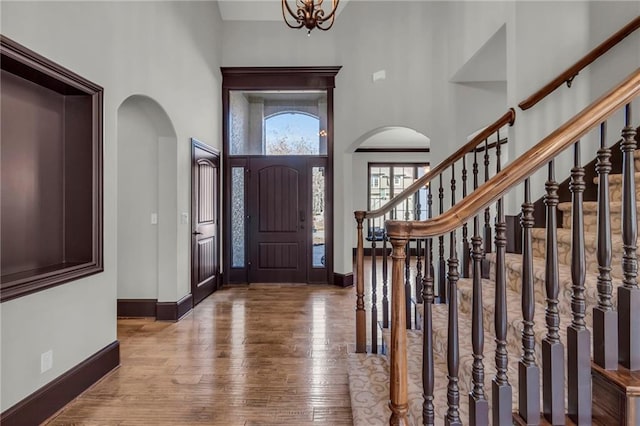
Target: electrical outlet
x,y
46,361
154,218
184,218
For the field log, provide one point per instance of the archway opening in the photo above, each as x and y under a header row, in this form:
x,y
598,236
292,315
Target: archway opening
x,y
146,201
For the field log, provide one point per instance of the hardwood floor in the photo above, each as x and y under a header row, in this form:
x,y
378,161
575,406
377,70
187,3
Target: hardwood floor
x,y
247,355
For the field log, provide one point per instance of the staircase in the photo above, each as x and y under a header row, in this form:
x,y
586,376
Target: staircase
x,y
369,373
548,333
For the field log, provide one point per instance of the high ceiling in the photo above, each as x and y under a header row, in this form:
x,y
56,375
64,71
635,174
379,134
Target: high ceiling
x,y
261,10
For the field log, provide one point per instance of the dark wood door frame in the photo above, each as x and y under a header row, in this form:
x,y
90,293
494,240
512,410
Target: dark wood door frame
x,y
200,290
274,78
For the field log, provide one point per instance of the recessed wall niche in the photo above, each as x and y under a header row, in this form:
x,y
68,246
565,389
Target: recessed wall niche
x,y
51,173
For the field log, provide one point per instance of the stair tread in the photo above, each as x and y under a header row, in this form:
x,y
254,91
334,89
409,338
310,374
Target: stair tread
x,y
369,389
564,236
617,177
627,381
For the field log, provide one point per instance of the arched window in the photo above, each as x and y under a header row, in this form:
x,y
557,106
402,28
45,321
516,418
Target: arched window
x,y
292,133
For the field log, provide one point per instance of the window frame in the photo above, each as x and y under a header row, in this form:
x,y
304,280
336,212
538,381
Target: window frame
x,y
392,189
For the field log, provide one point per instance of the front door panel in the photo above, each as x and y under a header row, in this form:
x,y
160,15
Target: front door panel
x,y
278,191
204,252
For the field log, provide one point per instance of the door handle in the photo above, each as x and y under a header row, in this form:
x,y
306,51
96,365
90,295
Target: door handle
x,y
197,233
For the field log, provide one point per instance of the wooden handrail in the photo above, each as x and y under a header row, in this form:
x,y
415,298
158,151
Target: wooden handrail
x,y
573,70
523,166
508,118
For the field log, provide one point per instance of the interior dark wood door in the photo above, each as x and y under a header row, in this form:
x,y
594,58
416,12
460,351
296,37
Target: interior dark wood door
x,y
278,219
205,242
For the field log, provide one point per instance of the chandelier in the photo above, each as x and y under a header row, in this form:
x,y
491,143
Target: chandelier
x,y
309,14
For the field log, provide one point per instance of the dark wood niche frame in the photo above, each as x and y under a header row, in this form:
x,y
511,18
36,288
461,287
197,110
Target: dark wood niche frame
x,y
80,169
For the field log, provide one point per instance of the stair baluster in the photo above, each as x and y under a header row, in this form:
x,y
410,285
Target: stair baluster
x,y
418,289
452,417
578,336
528,370
419,276
552,347
475,169
407,284
629,293
605,317
385,283
418,270
428,373
374,289
487,212
478,404
442,281
361,315
398,397
430,215
500,386
466,249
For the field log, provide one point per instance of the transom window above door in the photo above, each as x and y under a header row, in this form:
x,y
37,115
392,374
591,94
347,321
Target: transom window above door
x,y
283,122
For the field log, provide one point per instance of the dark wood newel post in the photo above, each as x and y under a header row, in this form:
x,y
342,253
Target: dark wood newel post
x,y
361,316
398,389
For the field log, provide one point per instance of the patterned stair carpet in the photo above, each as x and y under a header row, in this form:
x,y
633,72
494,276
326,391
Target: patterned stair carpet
x,y
369,374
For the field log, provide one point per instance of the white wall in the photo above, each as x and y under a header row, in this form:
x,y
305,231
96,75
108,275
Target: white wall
x,y
620,61
137,200
168,51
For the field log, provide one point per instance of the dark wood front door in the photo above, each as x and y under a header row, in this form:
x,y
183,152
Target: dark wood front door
x,y
278,219
204,211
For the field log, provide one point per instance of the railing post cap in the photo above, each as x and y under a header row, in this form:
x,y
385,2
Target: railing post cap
x,y
398,230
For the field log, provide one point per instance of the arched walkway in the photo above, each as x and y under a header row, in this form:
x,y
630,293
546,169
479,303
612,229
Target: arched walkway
x,y
146,197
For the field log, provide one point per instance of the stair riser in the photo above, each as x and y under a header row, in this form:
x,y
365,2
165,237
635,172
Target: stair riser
x,y
591,221
590,213
591,255
615,188
514,282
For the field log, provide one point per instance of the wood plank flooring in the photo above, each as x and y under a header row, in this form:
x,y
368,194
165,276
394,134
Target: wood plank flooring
x,y
248,355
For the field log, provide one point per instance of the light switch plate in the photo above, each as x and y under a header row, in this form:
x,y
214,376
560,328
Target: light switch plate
x,y
154,218
46,361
